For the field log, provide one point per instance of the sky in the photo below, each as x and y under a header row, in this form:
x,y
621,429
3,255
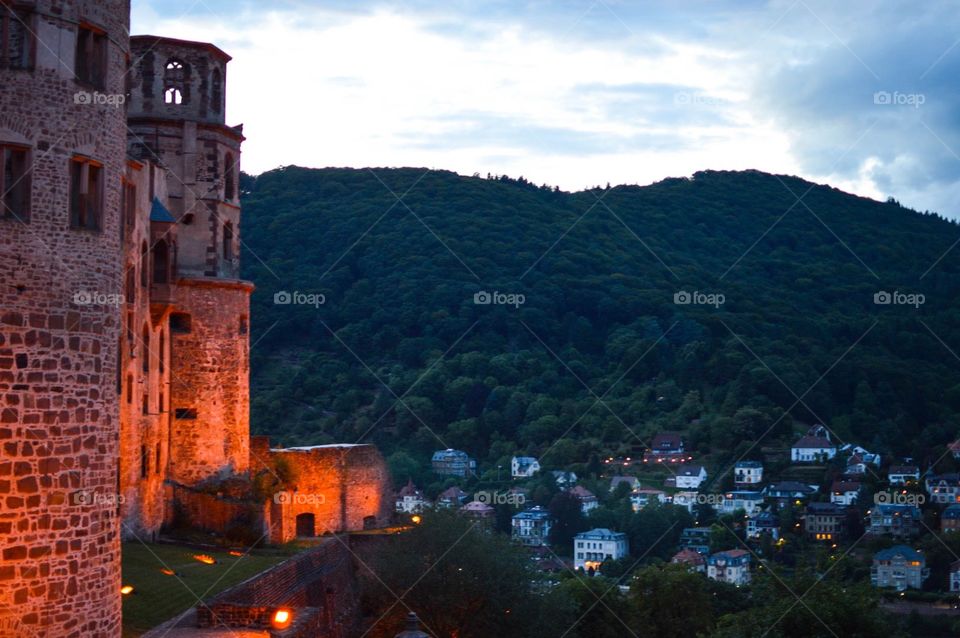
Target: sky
x,y
864,96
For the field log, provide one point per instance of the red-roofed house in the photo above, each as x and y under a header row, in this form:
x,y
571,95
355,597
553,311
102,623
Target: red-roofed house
x,y
812,449
694,560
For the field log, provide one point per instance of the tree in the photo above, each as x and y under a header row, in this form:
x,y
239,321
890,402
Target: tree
x,y
568,520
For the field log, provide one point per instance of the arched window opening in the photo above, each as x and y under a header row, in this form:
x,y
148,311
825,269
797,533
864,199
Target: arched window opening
x,y
172,95
174,64
161,262
228,241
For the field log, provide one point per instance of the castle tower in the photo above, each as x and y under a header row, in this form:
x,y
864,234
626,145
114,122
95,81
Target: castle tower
x,y
177,120
62,141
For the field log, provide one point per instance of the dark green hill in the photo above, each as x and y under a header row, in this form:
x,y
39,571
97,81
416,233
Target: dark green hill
x,y
598,355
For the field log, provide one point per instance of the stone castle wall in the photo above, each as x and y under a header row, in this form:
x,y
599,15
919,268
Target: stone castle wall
x,y
59,335
210,431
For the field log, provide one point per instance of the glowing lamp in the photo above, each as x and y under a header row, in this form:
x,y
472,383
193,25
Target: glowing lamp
x,y
167,572
282,619
416,520
234,552
126,590
206,559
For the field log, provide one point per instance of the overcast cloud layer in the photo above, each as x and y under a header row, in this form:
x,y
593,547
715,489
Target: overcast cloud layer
x,y
864,96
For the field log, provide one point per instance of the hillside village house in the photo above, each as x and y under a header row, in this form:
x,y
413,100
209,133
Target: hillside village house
x,y
696,538
898,521
410,500
859,459
745,500
531,527
944,488
899,567
748,473
825,522
686,499
587,499
812,449
452,497
955,576
694,560
666,447
789,491
480,512
564,479
845,492
954,449
524,466
761,523
950,519
903,474
453,462
593,547
732,566
644,496
690,477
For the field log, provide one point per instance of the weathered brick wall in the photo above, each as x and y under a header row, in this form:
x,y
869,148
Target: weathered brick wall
x,y
320,583
210,374
208,511
59,427
342,486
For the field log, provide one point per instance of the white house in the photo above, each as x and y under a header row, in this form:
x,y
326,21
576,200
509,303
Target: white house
x,y
902,474
845,492
410,500
812,449
732,566
745,500
690,477
532,527
523,466
591,548
564,479
748,473
761,523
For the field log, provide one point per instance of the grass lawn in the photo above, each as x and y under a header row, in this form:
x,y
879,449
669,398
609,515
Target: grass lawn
x,y
159,597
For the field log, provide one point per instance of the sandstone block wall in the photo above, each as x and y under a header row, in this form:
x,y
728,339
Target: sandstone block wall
x,y
343,487
210,428
59,335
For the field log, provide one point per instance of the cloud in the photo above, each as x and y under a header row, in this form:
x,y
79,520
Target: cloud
x,y
584,93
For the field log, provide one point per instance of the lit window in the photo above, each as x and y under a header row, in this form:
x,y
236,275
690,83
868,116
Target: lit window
x,y
172,96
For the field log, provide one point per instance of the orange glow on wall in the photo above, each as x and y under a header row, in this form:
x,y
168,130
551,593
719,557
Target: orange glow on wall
x,y
282,618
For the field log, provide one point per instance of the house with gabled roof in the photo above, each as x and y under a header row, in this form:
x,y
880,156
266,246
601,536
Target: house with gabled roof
x,y
899,567
903,474
813,449
731,566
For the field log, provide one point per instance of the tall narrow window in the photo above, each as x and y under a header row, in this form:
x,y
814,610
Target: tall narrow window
x,y
144,462
16,38
161,262
131,284
86,193
229,184
216,90
91,59
156,466
129,388
172,96
145,365
14,183
161,364
228,241
129,205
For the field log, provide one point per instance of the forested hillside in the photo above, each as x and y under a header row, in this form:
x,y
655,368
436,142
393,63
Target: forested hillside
x,y
598,356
